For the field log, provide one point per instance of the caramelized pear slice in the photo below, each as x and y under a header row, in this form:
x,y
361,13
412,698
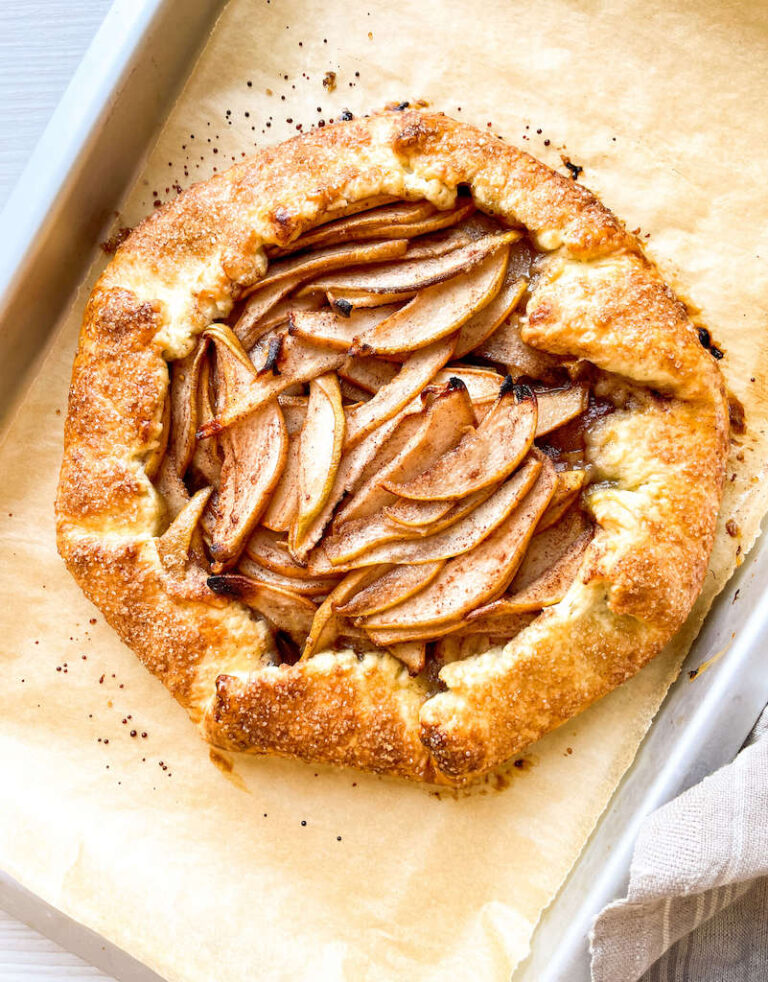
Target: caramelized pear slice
x,y
484,456
175,544
400,221
487,319
477,226
506,346
283,609
347,301
548,546
271,551
479,575
436,311
327,625
206,459
412,654
295,360
547,589
569,483
352,466
429,517
416,373
370,374
400,277
468,532
386,637
270,308
334,257
322,438
482,383
330,329
283,508
185,388
352,394
391,588
448,416
254,456
308,587
558,406
503,626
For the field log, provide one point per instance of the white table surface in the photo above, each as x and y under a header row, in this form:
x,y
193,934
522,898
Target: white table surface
x,y
41,44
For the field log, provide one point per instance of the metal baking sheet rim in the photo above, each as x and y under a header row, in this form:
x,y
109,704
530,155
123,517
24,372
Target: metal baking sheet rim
x,y
699,727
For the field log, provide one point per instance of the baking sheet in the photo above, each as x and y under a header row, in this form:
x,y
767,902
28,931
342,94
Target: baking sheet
x,y
204,872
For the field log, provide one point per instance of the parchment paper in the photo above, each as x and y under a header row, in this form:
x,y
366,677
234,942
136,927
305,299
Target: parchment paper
x,y
277,870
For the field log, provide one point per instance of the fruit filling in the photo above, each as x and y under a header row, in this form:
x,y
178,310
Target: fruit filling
x,y
368,455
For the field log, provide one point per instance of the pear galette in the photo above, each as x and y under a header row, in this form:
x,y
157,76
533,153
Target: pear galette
x,y
389,448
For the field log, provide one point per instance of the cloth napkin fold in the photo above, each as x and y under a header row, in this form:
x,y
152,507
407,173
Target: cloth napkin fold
x,y
697,905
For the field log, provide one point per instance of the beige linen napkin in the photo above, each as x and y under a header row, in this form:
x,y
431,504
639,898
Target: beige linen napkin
x,y
697,906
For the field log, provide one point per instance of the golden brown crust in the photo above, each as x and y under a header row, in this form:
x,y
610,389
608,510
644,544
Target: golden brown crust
x,y
659,463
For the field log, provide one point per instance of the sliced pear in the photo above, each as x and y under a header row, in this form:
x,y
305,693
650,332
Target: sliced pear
x,y
391,588
416,373
548,546
283,508
506,346
479,575
483,384
333,330
283,609
327,624
459,537
269,308
371,374
352,393
477,226
487,319
294,412
400,277
306,586
206,459
547,589
436,311
399,221
412,654
270,550
322,438
484,456
444,422
386,637
333,257
296,361
558,406
347,301
254,456
348,476
184,399
176,543
502,626
569,484
429,517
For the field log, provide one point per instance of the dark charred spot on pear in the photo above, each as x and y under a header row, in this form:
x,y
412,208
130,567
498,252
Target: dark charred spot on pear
x,y
705,339
273,355
223,585
523,392
343,307
456,384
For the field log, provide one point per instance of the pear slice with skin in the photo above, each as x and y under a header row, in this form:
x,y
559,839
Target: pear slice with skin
x,y
184,399
506,346
549,545
436,311
294,361
206,459
413,654
545,591
484,456
327,624
352,393
400,221
283,609
271,551
283,504
483,384
346,302
489,317
268,309
503,626
322,438
400,277
391,588
429,517
254,456
386,637
370,374
352,466
559,406
459,537
569,483
333,330
180,548
479,575
416,373
477,226
448,416
314,587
